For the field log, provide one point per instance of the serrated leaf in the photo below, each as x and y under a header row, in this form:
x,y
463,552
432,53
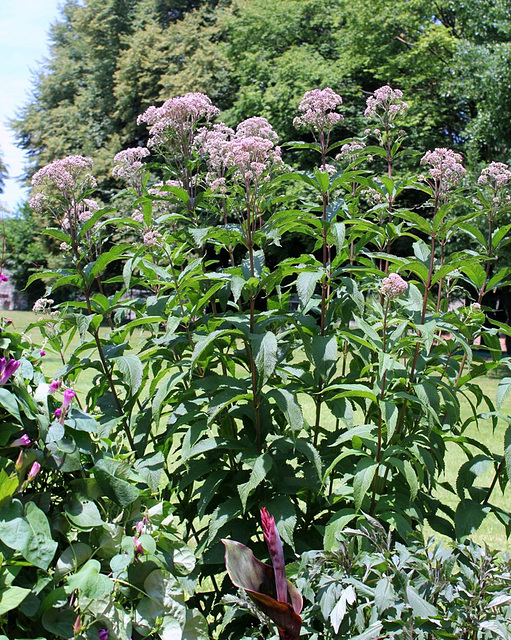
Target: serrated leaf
x,y
132,371
421,608
306,284
259,471
362,480
348,597
265,353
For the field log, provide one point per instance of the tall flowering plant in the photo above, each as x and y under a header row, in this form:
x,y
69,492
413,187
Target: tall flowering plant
x,y
326,385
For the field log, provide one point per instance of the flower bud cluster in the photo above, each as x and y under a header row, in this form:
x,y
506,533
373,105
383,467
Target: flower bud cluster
x,y
66,174
43,305
496,174
318,110
129,162
177,117
444,167
393,286
350,150
386,101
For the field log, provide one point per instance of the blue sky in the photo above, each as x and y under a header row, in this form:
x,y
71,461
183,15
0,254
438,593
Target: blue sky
x,y
24,26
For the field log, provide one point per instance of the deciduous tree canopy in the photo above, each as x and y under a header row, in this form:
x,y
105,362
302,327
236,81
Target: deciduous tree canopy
x,y
111,59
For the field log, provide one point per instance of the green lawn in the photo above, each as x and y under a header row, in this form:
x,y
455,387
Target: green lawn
x,y
491,532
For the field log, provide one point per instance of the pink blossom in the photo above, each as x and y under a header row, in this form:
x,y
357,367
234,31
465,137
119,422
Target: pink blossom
x,y
7,368
129,162
42,305
69,394
251,157
54,386
387,101
103,634
213,143
66,174
256,126
138,216
496,174
3,277
318,110
58,413
351,150
37,202
138,548
42,352
152,238
86,208
22,441
34,470
393,286
444,167
177,117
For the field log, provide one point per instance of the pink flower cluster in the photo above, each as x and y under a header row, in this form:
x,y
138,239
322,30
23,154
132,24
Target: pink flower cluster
x,y
43,305
86,208
318,110
444,167
350,150
177,116
496,174
66,174
214,143
129,162
250,157
386,100
152,238
249,151
256,126
393,286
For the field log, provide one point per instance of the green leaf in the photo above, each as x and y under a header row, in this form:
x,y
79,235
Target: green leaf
x,y
384,594
132,371
348,597
11,598
90,581
362,480
71,558
287,403
8,486
108,473
40,548
84,514
265,355
260,469
335,526
502,391
421,608
306,284
469,517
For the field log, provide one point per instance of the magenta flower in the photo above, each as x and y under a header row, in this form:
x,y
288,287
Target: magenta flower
x,y
103,634
69,394
34,470
58,413
42,352
138,548
3,277
266,585
7,368
23,441
54,386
